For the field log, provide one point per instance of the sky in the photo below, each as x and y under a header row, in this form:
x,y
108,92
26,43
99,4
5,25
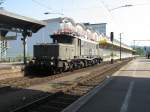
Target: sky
x,y
133,22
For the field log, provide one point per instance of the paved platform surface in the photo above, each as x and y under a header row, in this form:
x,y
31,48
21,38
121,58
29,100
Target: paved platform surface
x,y
128,91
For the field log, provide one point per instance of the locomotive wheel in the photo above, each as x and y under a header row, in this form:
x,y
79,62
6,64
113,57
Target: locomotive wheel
x,y
71,67
78,66
26,71
99,61
60,70
82,64
54,72
85,64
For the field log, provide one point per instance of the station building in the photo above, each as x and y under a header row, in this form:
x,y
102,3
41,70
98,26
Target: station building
x,y
106,45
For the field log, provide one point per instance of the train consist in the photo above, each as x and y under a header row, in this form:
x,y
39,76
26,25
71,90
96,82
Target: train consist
x,y
74,46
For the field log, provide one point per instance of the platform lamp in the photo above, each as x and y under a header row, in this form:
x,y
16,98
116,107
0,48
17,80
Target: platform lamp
x,y
112,39
120,45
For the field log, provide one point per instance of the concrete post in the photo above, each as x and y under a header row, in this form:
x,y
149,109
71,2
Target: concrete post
x,y
120,46
24,50
24,34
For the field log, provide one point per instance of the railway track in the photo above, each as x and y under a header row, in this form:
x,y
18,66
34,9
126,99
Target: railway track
x,y
27,81
60,100
10,73
50,103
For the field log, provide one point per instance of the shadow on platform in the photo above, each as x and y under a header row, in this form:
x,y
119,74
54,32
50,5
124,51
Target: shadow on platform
x,y
13,98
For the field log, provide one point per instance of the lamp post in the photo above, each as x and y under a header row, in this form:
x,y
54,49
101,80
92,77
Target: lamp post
x,y
123,6
120,45
112,39
47,13
134,44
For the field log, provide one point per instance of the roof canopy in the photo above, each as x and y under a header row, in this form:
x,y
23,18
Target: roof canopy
x,y
10,21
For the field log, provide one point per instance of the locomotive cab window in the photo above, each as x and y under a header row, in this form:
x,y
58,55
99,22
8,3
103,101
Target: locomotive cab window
x,y
62,39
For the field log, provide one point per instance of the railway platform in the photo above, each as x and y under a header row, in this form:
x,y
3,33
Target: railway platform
x,y
128,90
10,65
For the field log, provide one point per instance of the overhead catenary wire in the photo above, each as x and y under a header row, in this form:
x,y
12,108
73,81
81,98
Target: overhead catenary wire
x,y
47,7
41,4
112,19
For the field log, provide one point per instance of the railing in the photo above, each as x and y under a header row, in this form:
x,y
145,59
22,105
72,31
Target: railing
x,y
14,59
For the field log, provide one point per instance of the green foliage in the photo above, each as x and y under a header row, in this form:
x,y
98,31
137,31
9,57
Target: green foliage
x,y
139,51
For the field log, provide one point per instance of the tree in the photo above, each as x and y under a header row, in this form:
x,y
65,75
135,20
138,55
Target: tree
x,y
139,51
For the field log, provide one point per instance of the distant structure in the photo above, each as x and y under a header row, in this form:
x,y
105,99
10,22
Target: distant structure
x,y
99,27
